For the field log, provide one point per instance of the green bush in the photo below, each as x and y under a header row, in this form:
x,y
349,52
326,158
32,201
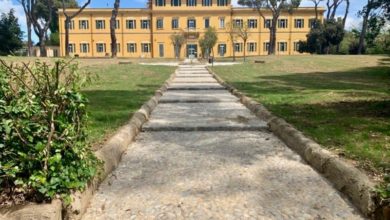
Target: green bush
x,y
43,150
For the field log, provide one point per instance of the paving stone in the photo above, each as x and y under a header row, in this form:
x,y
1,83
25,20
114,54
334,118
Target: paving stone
x,y
197,96
208,79
215,175
197,86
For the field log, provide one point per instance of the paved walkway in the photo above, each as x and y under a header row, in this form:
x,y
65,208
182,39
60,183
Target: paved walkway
x,y
203,155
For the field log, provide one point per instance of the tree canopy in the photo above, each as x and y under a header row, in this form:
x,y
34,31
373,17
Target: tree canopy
x,y
10,33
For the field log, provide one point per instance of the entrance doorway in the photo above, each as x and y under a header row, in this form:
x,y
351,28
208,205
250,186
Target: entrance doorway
x,y
192,51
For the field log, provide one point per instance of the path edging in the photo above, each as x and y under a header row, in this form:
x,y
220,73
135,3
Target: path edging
x,y
346,178
110,154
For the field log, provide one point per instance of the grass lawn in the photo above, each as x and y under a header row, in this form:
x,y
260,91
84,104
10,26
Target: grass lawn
x,y
342,102
120,91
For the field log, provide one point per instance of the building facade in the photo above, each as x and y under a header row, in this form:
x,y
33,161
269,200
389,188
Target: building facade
x,y
146,32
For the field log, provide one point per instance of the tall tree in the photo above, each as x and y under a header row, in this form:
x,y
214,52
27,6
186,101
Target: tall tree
x,y
368,11
40,25
177,40
316,3
276,7
347,5
243,33
10,34
68,20
209,40
114,14
332,6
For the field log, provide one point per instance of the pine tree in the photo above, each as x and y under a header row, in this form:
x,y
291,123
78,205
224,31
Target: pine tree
x,y
10,33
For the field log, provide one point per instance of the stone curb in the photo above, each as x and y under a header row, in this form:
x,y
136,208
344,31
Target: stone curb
x,y
346,178
110,154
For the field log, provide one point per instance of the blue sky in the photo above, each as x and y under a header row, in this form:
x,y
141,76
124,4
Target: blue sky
x,y
352,22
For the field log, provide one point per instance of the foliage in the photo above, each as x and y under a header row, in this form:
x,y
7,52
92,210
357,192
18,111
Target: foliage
x,y
10,34
375,25
54,39
177,40
353,47
43,130
208,41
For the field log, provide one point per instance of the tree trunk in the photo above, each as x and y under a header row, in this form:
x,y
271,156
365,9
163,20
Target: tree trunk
x,y
67,24
244,51
29,40
234,50
114,48
316,11
272,36
363,32
346,13
42,44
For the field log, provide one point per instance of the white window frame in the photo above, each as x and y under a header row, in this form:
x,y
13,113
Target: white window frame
x,y
98,47
84,47
100,24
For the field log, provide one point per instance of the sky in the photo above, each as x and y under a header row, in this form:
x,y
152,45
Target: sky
x,y
6,5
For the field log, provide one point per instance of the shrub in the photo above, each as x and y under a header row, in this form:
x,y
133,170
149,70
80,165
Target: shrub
x,y
43,150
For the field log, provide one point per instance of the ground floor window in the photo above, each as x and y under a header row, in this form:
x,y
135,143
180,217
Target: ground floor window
x,y
101,47
296,46
282,46
238,47
145,47
131,48
221,49
118,48
161,50
84,48
266,46
72,48
252,47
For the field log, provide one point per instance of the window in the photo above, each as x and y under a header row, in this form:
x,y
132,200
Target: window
x,y
238,23
252,47
312,23
118,47
297,45
131,47
206,22
160,23
207,2
117,24
221,49
267,23
72,48
160,2
161,50
71,25
252,23
145,47
101,47
191,2
299,23
191,23
175,23
266,46
176,3
131,24
83,24
222,2
100,24
221,22
282,46
84,48
238,47
282,23
145,24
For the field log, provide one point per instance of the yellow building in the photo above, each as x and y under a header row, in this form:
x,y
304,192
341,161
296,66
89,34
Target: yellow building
x,y
145,33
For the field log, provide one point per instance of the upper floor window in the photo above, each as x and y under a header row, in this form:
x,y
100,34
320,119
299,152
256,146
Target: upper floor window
x,y
206,22
191,2
100,24
176,2
207,2
160,23
83,24
282,23
191,23
175,23
160,2
221,22
267,23
299,23
282,46
222,2
101,47
312,23
145,24
117,24
238,23
252,23
131,24
70,25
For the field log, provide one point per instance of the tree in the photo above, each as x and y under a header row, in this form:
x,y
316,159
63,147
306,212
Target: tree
x,y
68,19
243,33
332,6
177,40
316,3
114,48
232,36
10,34
369,10
333,33
347,2
40,25
276,7
208,41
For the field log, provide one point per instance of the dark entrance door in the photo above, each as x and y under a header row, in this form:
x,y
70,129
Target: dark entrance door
x,y
192,50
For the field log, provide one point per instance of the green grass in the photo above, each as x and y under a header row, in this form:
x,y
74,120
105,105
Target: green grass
x,y
342,102
120,91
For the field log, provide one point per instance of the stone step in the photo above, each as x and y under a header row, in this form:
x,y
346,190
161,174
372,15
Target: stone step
x,y
223,116
197,86
195,80
197,96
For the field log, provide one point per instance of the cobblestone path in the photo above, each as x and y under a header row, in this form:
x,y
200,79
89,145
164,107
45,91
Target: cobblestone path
x,y
203,155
